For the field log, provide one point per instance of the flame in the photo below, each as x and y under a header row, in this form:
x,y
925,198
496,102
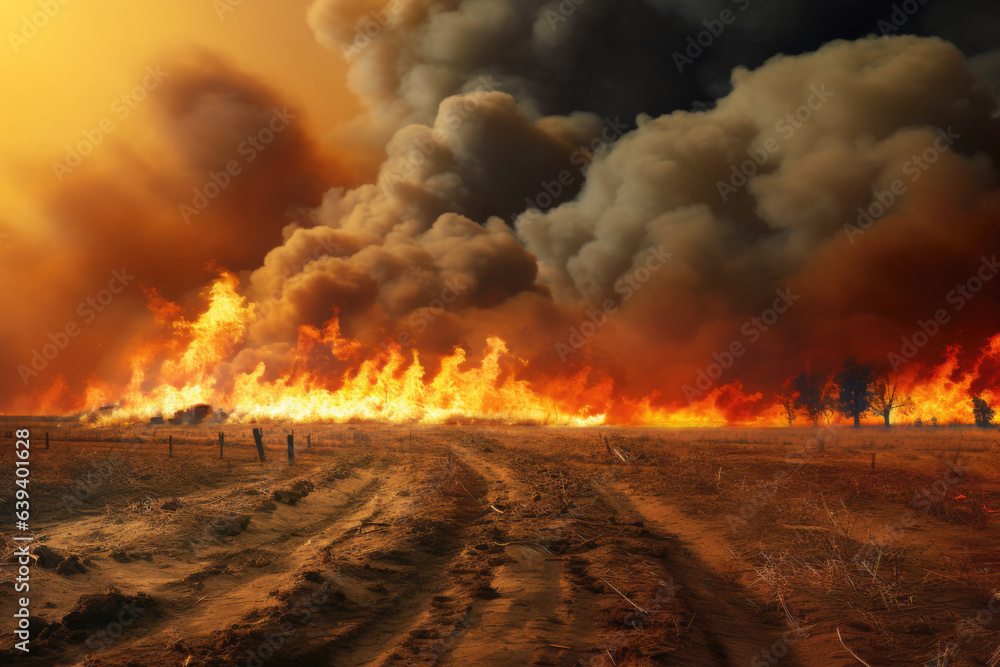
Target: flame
x,y
946,393
384,388
329,379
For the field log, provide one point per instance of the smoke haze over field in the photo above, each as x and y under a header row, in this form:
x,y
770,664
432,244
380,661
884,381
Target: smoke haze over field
x,y
522,170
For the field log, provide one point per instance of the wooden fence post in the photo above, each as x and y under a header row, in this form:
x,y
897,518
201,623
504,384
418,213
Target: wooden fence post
x,y
170,446
258,437
222,437
291,449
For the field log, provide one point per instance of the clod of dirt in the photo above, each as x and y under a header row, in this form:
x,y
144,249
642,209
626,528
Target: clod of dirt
x,y
99,609
265,506
47,557
77,636
485,592
39,627
237,525
171,505
313,575
294,493
70,566
120,556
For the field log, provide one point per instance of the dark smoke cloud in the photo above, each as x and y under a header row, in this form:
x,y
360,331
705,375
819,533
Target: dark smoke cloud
x,y
880,102
608,57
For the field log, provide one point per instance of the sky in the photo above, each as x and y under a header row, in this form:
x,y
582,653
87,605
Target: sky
x,y
65,79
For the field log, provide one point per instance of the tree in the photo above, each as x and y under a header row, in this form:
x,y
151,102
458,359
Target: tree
x,y
855,382
982,412
886,398
811,397
787,398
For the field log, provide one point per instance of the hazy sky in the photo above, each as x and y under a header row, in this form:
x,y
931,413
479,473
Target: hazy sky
x,y
65,79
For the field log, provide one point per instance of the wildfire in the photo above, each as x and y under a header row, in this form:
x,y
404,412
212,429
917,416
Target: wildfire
x,y
382,388
386,387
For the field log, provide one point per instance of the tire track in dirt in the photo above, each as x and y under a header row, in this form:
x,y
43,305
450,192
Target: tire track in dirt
x,y
532,591
423,578
230,584
228,579
571,573
733,629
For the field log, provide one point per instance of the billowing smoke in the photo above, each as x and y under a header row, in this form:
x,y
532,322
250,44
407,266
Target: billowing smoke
x,y
756,201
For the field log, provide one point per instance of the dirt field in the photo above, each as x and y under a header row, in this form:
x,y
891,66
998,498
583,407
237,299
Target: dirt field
x,y
508,546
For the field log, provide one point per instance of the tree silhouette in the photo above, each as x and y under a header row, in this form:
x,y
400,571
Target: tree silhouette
x,y
811,397
787,398
886,398
855,382
982,412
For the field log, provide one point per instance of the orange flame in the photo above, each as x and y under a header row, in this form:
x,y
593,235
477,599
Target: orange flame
x,y
385,387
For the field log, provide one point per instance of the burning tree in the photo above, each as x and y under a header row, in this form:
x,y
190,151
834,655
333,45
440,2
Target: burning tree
x,y
855,383
812,397
982,412
787,397
885,399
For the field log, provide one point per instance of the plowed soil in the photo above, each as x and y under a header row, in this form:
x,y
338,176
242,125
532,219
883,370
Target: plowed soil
x,y
508,546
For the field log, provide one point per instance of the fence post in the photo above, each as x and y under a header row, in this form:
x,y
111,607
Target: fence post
x,y
222,437
170,445
258,436
291,449
308,440
46,440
